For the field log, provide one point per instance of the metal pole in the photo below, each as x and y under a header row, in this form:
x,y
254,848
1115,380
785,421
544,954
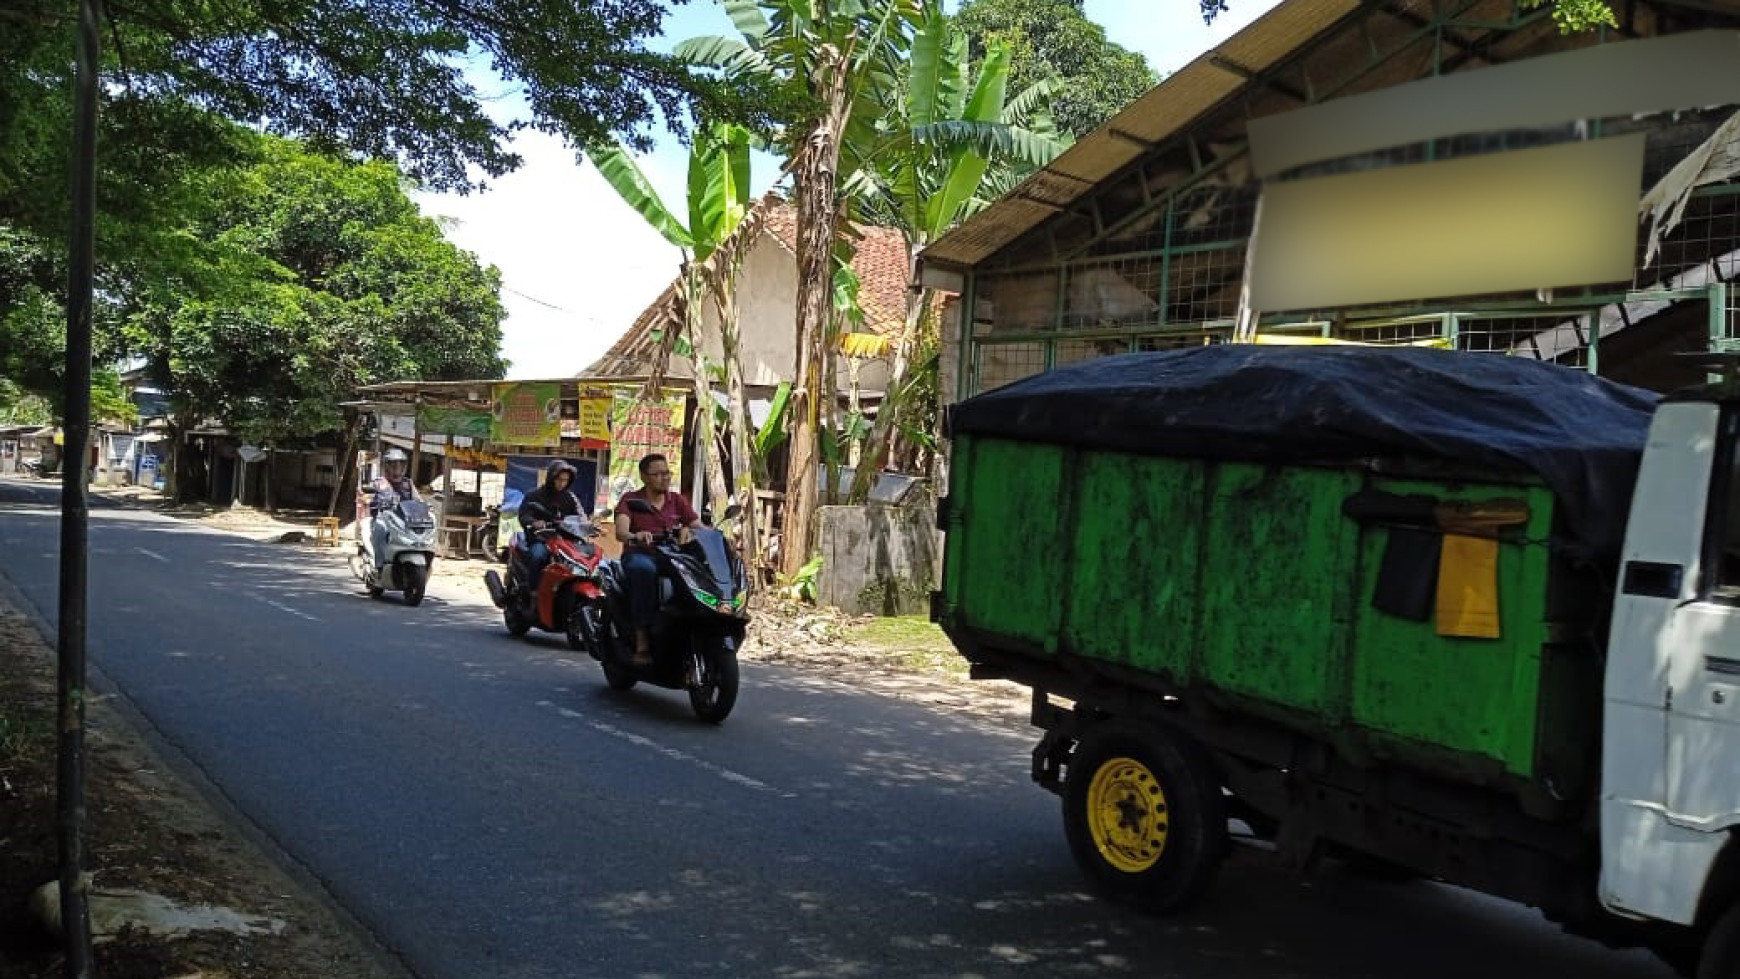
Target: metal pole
x,y
75,504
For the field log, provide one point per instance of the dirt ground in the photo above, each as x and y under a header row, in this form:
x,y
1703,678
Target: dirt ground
x,y
153,831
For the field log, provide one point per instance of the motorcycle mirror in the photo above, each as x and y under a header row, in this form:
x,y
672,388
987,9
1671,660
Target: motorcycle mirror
x,y
642,506
733,511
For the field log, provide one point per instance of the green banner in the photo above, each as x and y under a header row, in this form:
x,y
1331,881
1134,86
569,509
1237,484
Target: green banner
x,y
467,422
527,414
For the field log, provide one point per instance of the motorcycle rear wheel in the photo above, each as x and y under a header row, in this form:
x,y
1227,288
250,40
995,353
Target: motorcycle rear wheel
x,y
517,624
713,699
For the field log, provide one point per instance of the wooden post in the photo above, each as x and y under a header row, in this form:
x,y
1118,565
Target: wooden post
x,y
416,439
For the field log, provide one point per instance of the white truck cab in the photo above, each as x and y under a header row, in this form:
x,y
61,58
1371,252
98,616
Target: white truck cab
x,y
1671,740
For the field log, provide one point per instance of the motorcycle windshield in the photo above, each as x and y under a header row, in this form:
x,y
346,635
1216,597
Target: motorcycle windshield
x,y
416,514
718,558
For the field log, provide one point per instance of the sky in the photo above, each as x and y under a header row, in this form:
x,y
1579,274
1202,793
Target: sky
x,y
578,265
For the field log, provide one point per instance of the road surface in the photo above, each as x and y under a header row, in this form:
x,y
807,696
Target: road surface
x,y
488,808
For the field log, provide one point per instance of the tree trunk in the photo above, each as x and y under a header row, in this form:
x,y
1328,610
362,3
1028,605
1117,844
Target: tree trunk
x,y
878,446
184,485
742,463
266,477
815,179
695,326
346,459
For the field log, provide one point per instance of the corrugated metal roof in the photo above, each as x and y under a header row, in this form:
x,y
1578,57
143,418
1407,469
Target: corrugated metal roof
x,y
1183,98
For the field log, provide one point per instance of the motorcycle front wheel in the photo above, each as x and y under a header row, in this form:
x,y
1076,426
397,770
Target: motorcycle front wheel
x,y
415,578
713,699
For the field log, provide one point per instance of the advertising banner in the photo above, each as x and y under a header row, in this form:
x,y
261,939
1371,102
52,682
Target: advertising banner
x,y
527,414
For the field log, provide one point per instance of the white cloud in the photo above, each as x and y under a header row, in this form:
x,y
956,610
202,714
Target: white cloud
x,y
563,239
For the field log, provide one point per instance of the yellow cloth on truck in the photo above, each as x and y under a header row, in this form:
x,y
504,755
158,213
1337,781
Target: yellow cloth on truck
x,y
1468,567
1468,587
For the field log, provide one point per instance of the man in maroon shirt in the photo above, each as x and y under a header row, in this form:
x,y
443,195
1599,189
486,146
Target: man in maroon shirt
x,y
636,531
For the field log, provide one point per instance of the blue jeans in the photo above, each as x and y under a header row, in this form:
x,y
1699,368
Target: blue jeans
x,y
643,587
539,554
378,538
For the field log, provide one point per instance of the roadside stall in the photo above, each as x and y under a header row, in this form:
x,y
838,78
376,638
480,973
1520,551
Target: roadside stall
x,y
477,447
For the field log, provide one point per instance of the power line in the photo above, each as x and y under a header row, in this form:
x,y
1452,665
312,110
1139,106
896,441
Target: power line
x,y
534,299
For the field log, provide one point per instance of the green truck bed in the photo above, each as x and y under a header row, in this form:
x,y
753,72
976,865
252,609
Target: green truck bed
x,y
1247,584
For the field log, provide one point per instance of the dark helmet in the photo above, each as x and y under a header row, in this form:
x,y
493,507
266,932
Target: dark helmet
x,y
557,467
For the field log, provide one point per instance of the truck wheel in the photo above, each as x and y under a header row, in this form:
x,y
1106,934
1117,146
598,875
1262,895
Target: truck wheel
x,y
1720,958
1145,816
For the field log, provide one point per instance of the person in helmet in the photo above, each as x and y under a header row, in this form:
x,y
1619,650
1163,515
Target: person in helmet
x,y
547,506
391,486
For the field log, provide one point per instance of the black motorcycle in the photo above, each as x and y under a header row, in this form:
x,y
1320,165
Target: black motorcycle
x,y
703,615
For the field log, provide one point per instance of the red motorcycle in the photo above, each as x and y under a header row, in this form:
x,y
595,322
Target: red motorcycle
x,y
568,594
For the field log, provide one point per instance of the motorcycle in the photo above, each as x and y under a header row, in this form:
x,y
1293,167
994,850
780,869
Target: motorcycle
x,y
410,551
486,537
567,595
703,615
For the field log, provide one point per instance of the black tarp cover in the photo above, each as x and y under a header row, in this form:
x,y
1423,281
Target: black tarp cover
x,y
1582,435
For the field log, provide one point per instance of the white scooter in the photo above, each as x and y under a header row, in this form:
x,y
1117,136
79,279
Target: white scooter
x,y
410,551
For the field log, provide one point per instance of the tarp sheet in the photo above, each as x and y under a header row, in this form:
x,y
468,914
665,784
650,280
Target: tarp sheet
x,y
1582,435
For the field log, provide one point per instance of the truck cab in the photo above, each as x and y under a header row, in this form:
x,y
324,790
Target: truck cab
x,y
1670,788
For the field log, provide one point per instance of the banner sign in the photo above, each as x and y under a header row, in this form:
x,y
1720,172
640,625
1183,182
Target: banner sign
x,y
638,429
527,414
466,422
595,422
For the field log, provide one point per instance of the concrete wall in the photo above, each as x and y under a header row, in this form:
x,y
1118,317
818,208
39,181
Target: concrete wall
x,y
878,560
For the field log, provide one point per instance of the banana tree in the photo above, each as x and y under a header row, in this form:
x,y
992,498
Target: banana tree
x,y
711,243
834,58
927,164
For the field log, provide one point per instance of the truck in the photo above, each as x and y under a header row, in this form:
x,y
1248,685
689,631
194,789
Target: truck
x,y
1461,616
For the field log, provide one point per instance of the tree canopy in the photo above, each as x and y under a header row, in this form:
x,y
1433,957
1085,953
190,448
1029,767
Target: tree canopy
x,y
380,78
316,276
1052,40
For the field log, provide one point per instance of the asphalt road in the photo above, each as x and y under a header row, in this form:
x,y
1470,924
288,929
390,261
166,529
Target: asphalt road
x,y
488,808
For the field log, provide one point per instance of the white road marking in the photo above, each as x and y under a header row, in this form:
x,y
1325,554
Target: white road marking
x,y
284,608
674,754
152,554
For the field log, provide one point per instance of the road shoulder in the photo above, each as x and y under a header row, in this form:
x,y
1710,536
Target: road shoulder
x,y
149,829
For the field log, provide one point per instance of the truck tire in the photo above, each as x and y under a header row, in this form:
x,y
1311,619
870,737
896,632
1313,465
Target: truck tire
x,y
1145,817
1720,958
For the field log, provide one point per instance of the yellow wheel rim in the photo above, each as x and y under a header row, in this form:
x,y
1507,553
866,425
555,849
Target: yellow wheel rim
x,y
1126,813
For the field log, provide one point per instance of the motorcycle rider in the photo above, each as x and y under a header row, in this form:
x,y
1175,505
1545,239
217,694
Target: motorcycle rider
x,y
635,531
391,486
546,506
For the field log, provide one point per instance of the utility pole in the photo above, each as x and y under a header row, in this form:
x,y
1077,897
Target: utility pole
x,y
75,506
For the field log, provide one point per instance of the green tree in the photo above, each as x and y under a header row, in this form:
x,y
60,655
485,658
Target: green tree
x,y
1052,40
925,166
382,78
711,241
825,58
315,276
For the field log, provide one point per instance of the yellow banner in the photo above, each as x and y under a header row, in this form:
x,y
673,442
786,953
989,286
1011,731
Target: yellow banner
x,y
595,419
